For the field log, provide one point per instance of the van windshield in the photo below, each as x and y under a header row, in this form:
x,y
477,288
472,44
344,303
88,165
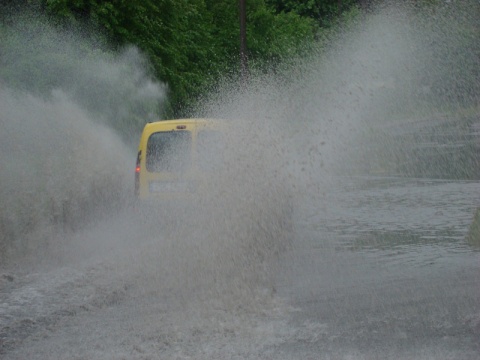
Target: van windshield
x,y
169,151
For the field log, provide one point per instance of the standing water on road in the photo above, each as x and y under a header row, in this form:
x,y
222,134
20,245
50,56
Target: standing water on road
x,y
376,141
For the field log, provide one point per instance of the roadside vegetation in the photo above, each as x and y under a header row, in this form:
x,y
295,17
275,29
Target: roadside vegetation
x,y
190,46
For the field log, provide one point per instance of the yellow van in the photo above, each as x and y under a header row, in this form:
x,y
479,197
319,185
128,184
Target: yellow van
x,y
171,157
210,174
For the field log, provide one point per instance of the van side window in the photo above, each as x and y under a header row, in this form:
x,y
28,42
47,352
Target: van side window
x,y
169,151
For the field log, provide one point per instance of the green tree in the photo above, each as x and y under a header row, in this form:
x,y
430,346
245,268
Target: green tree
x,y
190,43
324,12
175,34
271,37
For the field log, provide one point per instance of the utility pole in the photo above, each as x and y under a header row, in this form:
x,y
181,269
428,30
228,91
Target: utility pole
x,y
243,42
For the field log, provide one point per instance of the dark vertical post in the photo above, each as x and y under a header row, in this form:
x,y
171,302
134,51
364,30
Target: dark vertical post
x,y
243,42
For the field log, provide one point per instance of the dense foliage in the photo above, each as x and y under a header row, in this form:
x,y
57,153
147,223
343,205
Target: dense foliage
x,y
191,43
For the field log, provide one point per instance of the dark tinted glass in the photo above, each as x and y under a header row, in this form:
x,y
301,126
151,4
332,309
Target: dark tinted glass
x,y
169,151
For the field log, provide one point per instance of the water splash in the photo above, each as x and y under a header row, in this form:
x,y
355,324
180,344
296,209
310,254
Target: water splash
x,y
70,112
190,287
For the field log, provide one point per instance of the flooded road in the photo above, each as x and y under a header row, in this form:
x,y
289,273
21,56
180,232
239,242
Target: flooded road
x,y
383,271
379,269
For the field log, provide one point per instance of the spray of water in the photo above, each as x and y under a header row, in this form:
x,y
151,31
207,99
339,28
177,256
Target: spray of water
x,y
68,148
332,114
70,110
344,110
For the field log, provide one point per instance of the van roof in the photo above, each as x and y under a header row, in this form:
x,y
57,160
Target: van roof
x,y
166,125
